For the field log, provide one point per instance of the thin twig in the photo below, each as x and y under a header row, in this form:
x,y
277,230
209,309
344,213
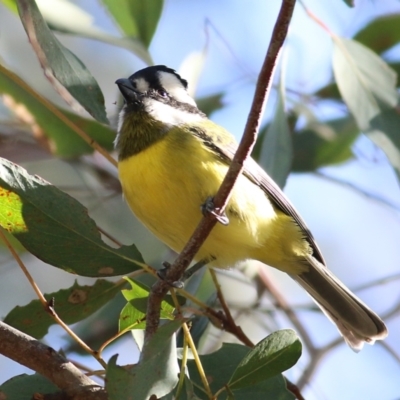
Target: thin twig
x,y
205,226
282,304
373,196
316,19
227,320
49,306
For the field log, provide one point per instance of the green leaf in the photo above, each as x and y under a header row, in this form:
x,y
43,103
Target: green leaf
x,y
210,104
63,139
23,387
276,151
82,24
56,228
62,68
72,305
273,355
384,133
133,314
365,81
381,33
220,366
155,374
11,5
331,91
350,3
191,68
136,18
324,144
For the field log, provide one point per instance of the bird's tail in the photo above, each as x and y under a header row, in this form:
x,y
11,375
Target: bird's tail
x,y
355,321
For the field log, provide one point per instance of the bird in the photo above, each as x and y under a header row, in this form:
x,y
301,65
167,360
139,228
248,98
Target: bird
x,y
172,158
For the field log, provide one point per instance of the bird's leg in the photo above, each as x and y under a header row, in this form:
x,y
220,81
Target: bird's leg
x,y
209,208
162,273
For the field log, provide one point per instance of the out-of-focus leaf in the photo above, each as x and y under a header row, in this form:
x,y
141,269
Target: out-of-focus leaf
x,y
210,104
220,366
384,133
11,5
72,305
367,84
350,3
155,374
133,314
381,33
25,386
191,69
56,228
62,68
276,353
82,24
50,121
331,91
66,17
276,152
136,18
313,150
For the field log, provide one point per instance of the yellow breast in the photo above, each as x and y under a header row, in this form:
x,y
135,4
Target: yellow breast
x,y
166,184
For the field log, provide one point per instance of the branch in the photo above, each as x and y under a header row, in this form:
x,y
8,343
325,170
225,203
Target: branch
x,y
35,355
174,273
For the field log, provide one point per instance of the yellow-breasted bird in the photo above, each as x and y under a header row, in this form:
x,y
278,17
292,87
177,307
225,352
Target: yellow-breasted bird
x,y
172,158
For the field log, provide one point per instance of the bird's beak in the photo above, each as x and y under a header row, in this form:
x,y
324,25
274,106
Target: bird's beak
x,y
128,91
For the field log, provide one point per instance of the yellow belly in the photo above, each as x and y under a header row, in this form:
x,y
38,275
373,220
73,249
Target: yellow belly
x,y
165,186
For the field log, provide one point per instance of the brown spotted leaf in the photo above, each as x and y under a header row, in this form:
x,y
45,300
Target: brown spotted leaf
x,y
72,305
56,228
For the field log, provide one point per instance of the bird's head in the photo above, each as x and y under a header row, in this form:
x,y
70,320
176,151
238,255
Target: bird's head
x,y
161,93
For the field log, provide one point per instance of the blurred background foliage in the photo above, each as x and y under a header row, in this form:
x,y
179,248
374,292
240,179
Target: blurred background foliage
x,y
330,134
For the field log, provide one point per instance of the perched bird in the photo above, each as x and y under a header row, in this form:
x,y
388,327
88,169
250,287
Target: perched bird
x,y
172,158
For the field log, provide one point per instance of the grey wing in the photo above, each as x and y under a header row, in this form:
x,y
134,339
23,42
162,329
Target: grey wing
x,y
226,150
256,174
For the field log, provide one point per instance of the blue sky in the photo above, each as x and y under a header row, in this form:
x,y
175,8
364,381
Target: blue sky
x,y
357,230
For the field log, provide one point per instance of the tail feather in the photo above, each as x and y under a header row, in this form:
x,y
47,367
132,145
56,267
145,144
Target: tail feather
x,y
356,322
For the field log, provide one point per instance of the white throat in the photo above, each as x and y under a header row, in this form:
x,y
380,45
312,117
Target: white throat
x,y
170,115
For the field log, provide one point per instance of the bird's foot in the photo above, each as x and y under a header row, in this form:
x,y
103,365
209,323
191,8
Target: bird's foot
x,y
179,284
209,208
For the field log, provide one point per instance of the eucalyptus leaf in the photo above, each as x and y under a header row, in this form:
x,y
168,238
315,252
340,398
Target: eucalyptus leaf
x,y
276,152
273,355
384,133
219,367
381,33
210,104
134,312
56,228
72,305
51,122
68,75
314,149
23,387
155,374
350,3
136,18
366,83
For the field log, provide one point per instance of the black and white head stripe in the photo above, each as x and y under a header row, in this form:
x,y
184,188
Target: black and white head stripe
x,y
163,81
162,94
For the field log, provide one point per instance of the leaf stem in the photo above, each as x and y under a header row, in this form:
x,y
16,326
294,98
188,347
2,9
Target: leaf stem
x,y
48,305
